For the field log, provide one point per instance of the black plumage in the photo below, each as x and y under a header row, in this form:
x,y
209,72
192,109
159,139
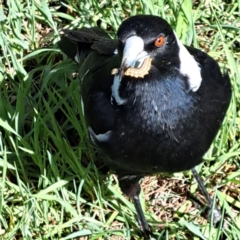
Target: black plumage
x,y
163,121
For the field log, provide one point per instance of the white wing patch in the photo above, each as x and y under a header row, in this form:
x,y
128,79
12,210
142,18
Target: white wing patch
x,y
189,67
103,137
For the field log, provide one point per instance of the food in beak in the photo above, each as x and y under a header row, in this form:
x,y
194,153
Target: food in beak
x,y
139,72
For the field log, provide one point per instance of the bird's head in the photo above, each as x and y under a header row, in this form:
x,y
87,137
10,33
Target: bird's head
x,y
145,41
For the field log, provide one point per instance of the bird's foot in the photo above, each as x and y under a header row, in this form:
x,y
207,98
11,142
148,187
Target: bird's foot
x,y
215,214
147,234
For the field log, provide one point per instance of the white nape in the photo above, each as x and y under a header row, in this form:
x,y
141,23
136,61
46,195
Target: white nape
x,y
103,137
115,90
189,67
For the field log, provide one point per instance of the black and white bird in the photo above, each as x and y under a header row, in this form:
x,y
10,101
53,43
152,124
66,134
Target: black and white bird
x,y
151,104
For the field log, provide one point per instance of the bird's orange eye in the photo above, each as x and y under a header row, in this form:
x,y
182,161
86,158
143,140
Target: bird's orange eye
x,y
159,41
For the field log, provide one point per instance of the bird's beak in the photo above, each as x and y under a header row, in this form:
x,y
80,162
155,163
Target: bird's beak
x,y
134,58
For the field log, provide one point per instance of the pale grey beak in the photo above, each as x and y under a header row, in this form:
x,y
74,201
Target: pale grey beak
x,y
133,54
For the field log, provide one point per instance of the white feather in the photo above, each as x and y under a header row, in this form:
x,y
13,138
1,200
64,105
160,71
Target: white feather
x,y
103,137
115,91
82,105
84,75
189,67
76,58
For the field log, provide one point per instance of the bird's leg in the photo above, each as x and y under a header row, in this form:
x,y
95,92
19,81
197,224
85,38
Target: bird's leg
x,y
216,212
130,186
140,216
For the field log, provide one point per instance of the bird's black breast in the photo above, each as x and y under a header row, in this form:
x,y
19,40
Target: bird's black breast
x,y
163,127
150,128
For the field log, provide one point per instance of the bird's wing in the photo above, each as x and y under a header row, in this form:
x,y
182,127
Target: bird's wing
x,y
77,44
97,81
94,51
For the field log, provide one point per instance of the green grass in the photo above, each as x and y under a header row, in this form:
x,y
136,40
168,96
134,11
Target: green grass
x,y
51,180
